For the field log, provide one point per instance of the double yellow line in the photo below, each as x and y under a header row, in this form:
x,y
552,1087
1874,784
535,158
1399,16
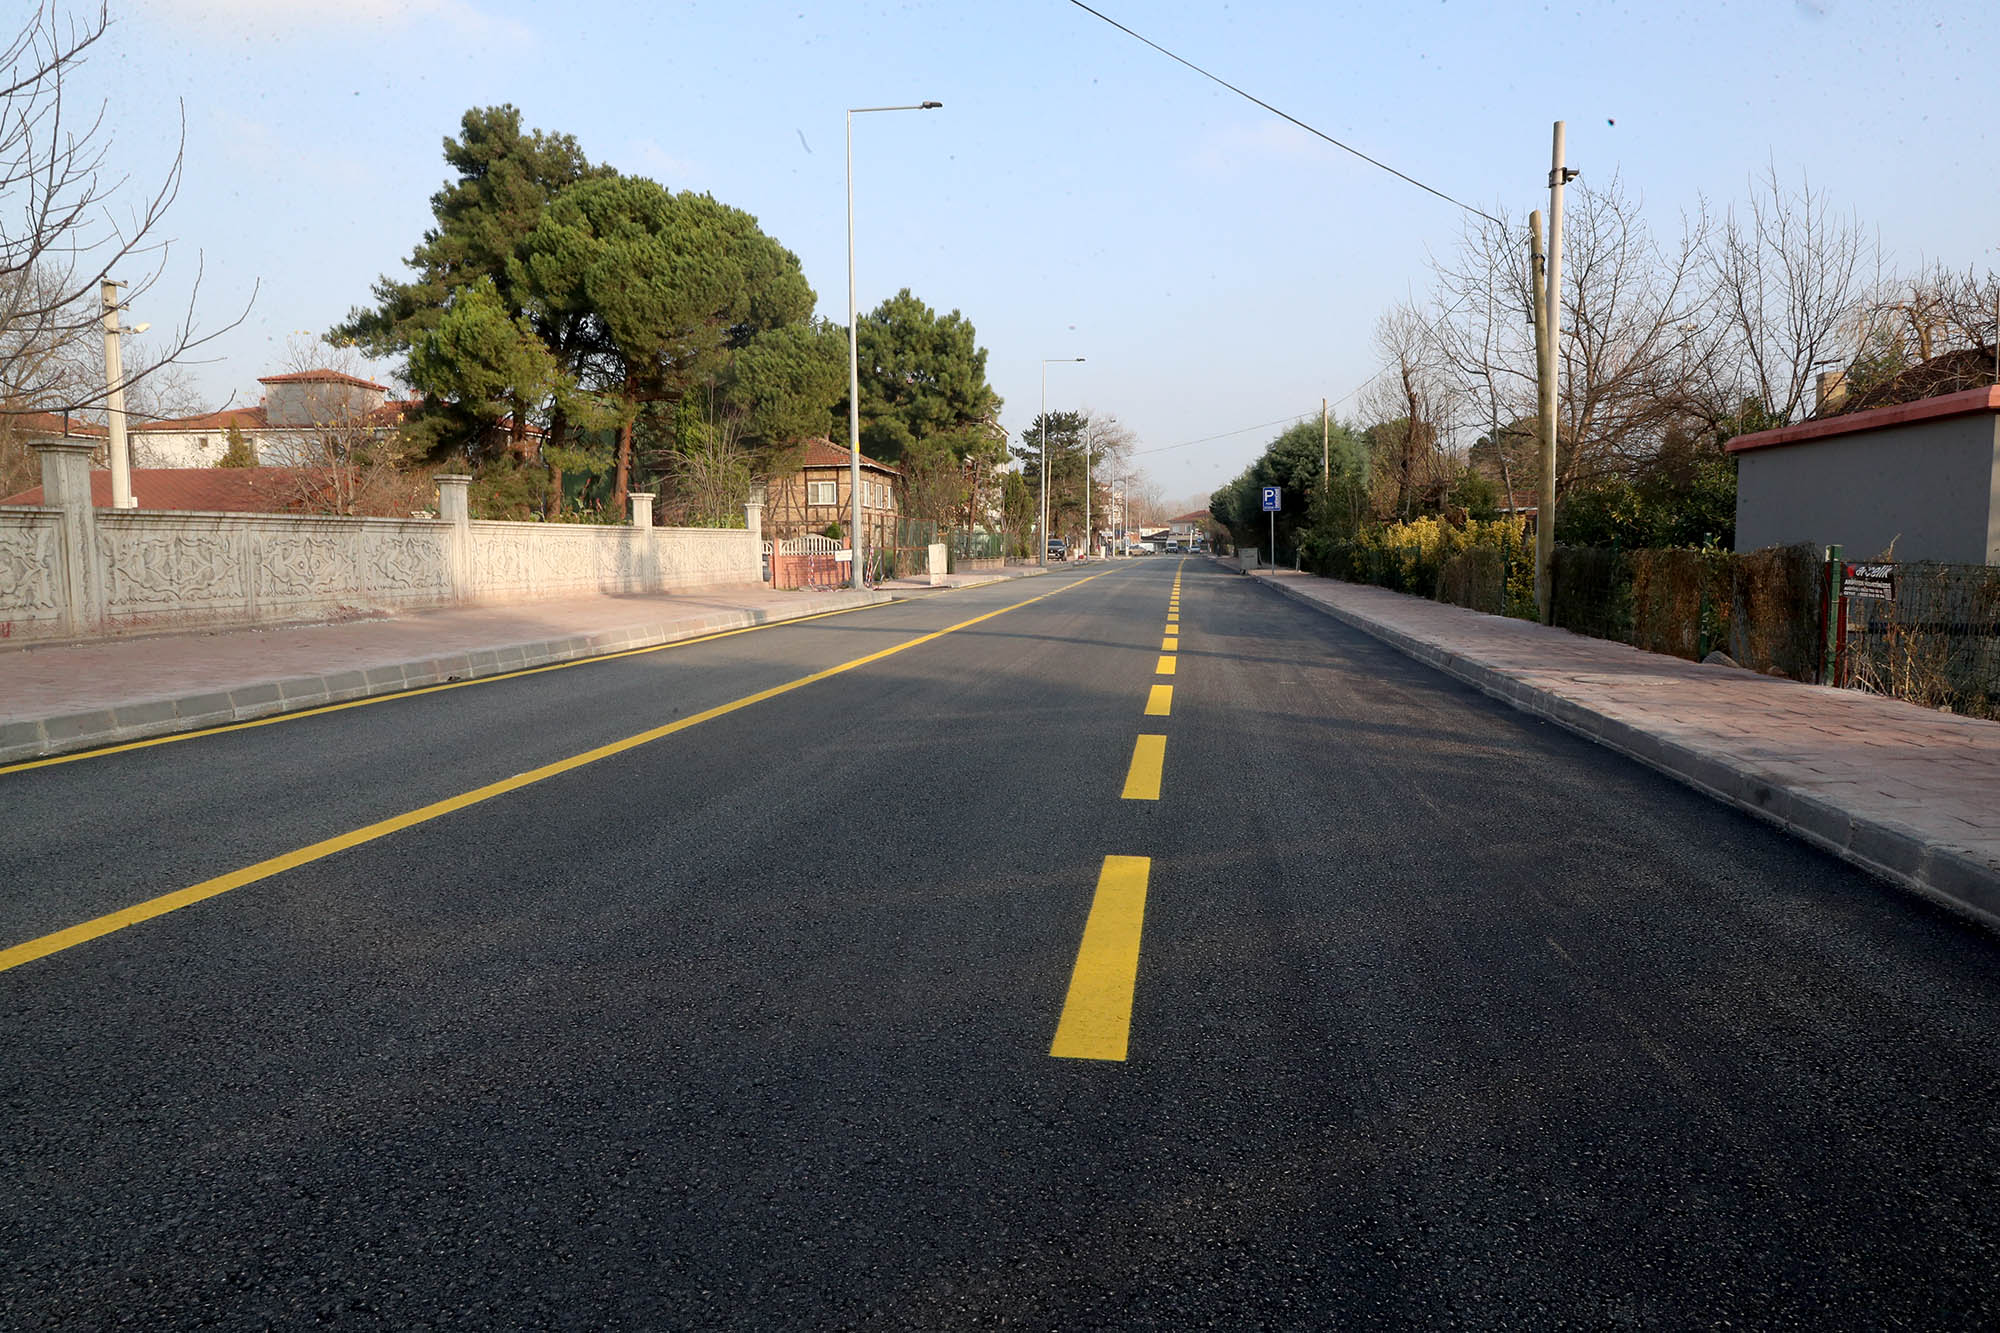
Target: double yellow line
x,y
100,926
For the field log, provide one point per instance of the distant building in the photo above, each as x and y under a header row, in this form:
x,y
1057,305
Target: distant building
x,y
1919,479
287,429
817,496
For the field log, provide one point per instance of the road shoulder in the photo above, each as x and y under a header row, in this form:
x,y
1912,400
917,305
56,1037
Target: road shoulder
x,y
1902,792
71,697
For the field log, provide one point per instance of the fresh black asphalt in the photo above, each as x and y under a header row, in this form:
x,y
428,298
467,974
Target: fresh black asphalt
x,y
1444,1018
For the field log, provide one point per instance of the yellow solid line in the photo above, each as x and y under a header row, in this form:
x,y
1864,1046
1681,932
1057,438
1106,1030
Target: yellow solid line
x,y
1160,702
318,711
1170,644
171,902
1142,779
1096,1021
1165,668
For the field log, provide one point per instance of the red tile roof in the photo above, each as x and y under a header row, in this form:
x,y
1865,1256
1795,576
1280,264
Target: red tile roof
x,y
825,453
52,423
321,377
1964,403
243,418
227,490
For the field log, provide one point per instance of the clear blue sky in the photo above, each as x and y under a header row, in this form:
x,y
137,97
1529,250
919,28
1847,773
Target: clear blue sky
x,y
1078,194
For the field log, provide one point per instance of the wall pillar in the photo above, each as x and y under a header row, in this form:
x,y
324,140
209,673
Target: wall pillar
x,y
753,514
66,488
642,508
455,508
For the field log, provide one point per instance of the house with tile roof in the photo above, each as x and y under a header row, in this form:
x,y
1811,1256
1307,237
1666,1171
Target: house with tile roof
x,y
288,429
816,496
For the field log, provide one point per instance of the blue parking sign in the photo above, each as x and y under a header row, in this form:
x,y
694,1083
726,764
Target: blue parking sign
x,y
1270,499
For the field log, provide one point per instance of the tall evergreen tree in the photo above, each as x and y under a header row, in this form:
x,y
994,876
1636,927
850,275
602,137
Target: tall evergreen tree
x,y
506,179
662,289
923,378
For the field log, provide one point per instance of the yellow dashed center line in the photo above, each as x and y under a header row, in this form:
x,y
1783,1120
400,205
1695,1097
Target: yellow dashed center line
x,y
1097,1016
1170,644
1165,668
1142,779
236,879
1160,702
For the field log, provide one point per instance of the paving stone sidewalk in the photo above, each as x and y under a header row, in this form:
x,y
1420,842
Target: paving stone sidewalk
x,y
1910,794
56,698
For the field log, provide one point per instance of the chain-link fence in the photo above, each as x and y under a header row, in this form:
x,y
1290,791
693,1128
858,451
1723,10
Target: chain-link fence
x,y
1933,639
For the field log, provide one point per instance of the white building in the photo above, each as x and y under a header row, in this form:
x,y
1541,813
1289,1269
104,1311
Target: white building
x,y
285,430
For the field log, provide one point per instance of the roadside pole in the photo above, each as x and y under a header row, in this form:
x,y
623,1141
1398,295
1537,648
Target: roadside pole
x,y
1545,422
1548,340
114,415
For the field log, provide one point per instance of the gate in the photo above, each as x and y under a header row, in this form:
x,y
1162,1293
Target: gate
x,y
807,562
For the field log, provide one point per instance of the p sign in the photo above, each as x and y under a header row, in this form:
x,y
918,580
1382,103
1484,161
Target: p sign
x,y
1270,499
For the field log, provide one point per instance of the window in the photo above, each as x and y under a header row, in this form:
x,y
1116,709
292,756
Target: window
x,y
820,493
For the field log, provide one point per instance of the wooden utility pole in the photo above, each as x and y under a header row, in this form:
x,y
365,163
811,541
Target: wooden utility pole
x,y
1545,419
1325,456
1548,337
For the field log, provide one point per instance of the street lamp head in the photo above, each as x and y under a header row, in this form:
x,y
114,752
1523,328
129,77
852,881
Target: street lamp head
x,y
930,106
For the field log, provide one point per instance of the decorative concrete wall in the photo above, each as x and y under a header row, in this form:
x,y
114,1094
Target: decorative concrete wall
x,y
519,561
67,569
173,569
32,601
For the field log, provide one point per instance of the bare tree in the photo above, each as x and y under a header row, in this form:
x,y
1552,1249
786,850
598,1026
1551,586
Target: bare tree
x,y
61,236
1787,275
1938,333
339,438
1635,342
1484,338
1412,402
707,476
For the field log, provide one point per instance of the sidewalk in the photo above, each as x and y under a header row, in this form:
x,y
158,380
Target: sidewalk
x,y
56,698
1904,792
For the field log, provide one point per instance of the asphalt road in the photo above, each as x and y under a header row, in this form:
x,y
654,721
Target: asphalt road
x,y
1433,1015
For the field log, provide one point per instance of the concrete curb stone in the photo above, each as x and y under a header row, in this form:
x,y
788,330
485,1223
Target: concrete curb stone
x,y
44,738
1885,848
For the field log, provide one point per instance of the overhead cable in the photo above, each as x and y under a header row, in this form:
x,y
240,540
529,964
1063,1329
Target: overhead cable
x,y
1345,148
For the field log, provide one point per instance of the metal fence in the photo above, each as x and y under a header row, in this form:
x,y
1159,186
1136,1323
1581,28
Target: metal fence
x,y
1925,632
1922,631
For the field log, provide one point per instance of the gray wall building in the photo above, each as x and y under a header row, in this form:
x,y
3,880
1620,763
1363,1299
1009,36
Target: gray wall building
x,y
1923,475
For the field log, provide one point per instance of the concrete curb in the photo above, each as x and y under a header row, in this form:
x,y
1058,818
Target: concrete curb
x,y
1896,852
42,738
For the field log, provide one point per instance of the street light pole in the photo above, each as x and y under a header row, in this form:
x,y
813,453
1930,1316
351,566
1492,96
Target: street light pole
x,y
114,414
854,355
1043,555
1089,533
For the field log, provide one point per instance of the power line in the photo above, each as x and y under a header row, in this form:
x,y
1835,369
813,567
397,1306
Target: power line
x,y
1345,148
1240,430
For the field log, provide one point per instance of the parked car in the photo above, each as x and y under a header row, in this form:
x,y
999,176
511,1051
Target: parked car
x,y
1058,549
1173,545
